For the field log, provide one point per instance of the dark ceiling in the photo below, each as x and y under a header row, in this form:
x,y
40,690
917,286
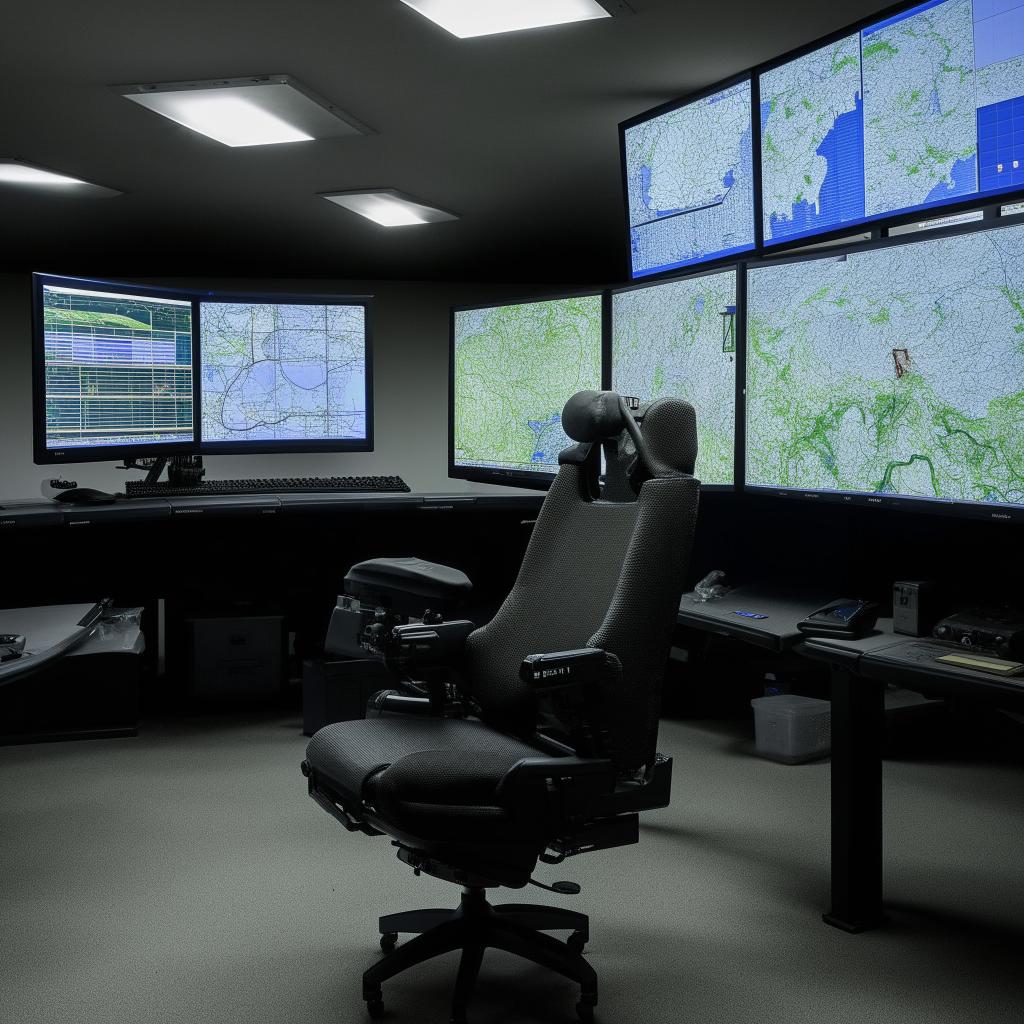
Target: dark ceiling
x,y
517,133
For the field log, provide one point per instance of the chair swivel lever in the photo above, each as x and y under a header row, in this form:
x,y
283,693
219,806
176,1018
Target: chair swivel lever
x,y
562,888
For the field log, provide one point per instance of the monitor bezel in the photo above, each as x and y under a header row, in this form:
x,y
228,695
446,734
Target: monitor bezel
x,y
267,446
739,421
649,277
862,499
897,218
537,480
42,455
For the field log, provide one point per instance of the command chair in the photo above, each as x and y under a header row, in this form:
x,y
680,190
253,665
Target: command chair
x,y
564,684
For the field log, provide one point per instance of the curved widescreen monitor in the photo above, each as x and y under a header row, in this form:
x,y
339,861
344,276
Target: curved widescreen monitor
x,y
513,369
112,371
679,338
279,375
921,109
891,374
689,181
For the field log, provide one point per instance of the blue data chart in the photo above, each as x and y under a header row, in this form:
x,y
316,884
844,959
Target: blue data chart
x,y
118,368
1001,145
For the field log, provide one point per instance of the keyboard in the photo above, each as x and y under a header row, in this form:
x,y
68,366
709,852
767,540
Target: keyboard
x,y
282,485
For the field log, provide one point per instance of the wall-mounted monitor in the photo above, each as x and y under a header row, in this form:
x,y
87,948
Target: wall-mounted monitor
x,y
513,368
281,375
920,109
678,338
689,182
891,374
112,371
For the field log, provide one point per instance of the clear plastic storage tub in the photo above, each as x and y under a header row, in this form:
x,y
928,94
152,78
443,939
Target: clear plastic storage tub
x,y
792,729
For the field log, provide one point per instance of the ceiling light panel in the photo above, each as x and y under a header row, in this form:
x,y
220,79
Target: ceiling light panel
x,y
469,18
388,207
19,173
264,111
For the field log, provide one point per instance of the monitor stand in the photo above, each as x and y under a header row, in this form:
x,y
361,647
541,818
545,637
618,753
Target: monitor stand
x,y
182,470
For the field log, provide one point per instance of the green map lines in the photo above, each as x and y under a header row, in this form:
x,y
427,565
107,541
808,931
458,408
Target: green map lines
x,y
920,114
282,372
896,371
679,339
515,368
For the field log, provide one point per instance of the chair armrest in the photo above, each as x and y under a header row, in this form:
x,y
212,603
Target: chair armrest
x,y
564,668
570,688
428,646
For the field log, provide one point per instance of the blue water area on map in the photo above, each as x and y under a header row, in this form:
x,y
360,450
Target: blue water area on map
x,y
766,110
1000,144
934,104
550,439
307,374
841,198
730,177
964,182
699,304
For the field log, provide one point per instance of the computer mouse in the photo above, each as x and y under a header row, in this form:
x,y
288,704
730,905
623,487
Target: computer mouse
x,y
85,496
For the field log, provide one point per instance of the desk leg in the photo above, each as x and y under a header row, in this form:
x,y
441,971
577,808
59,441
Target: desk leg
x,y
857,730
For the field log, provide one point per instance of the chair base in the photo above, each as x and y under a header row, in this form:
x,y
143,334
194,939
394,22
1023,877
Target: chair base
x,y
473,927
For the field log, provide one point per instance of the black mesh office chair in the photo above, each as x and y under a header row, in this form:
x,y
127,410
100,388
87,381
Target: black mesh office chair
x,y
557,754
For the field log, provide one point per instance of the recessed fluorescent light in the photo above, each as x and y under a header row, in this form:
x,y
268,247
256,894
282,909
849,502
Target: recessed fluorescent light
x,y
468,18
263,111
15,172
388,207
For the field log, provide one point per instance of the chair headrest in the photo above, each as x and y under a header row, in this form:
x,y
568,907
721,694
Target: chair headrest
x,y
592,416
657,440
669,427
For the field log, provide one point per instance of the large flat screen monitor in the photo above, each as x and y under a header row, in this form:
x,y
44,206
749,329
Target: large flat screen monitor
x,y
892,374
679,338
112,371
921,109
513,369
689,181
278,375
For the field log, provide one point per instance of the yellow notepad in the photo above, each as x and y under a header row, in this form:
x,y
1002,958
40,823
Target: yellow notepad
x,y
983,664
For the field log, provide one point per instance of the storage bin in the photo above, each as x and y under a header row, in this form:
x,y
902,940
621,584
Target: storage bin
x,y
792,729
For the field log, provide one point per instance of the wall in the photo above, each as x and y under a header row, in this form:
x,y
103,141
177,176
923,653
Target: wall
x,y
410,352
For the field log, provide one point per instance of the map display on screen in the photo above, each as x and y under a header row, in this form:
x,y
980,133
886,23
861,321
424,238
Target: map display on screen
x,y
891,371
515,367
282,372
916,111
689,183
678,338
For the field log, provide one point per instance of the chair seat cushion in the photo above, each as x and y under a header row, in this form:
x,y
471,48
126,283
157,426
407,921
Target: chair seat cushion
x,y
466,757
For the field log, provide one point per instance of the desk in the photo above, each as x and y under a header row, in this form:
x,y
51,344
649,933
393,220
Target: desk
x,y
282,553
34,514
860,671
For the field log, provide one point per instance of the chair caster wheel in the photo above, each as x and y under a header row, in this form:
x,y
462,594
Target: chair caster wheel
x,y
576,942
388,941
375,1008
585,1012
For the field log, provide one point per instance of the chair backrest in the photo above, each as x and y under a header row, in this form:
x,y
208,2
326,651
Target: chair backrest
x,y
599,573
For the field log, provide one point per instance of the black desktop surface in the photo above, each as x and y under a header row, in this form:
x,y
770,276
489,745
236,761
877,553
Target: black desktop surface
x,y
783,607
41,513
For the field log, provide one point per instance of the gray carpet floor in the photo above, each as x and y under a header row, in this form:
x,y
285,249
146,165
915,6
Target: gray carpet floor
x,y
185,876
